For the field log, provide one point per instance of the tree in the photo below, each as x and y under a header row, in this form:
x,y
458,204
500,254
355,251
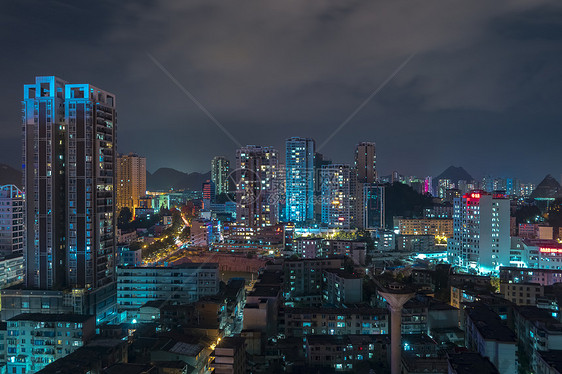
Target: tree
x,y
528,214
125,216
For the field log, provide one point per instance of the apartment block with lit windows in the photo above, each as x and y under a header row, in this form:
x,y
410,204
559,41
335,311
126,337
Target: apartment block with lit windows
x,y
257,189
131,181
481,232
11,221
336,188
424,226
34,340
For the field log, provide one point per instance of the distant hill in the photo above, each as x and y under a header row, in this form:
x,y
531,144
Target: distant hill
x,y
9,175
164,179
549,188
455,174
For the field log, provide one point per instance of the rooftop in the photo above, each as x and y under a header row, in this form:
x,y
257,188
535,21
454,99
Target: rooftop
x,y
470,363
490,325
343,273
553,358
43,317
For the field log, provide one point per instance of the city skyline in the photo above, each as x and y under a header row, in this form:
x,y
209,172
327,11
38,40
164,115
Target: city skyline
x,y
494,85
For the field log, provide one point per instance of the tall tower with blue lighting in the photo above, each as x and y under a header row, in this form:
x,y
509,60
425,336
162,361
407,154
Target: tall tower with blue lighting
x,y
299,165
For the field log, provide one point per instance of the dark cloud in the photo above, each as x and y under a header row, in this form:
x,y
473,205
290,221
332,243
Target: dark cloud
x,y
482,90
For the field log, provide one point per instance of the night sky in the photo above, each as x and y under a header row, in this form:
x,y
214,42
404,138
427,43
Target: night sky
x,y
483,91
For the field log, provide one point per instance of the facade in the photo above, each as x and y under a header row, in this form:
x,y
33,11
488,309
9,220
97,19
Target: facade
x,y
537,332
68,180
372,211
341,287
11,221
544,277
486,334
303,278
343,353
336,321
11,270
366,162
129,257
182,284
481,232
522,293
424,226
308,247
209,193
36,340
131,181
336,196
257,189
230,356
299,182
220,169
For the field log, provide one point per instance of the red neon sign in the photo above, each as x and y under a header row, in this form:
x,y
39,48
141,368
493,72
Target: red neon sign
x,y
550,250
475,195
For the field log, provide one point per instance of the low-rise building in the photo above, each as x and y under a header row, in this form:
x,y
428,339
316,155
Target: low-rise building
x,y
342,287
229,356
129,257
336,321
549,362
344,352
544,277
522,293
303,279
11,270
469,363
424,226
486,334
537,331
35,340
184,283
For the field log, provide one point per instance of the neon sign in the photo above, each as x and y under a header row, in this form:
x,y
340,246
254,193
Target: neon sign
x,y
550,250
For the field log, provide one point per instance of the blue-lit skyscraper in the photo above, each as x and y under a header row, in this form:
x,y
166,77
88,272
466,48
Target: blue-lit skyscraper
x,y
299,167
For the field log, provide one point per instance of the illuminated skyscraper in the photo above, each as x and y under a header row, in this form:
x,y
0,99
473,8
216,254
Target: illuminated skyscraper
x,y
299,179
335,195
481,223
68,184
131,181
257,190
220,167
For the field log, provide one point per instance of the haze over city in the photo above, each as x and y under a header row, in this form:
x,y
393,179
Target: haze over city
x,y
480,92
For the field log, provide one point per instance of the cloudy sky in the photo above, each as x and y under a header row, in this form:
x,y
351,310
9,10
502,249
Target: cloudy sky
x,y
483,89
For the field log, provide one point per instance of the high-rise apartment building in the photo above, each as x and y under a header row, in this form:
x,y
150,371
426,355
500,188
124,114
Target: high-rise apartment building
x,y
131,181
372,212
366,162
220,168
336,195
299,168
11,221
257,189
363,172
68,183
481,241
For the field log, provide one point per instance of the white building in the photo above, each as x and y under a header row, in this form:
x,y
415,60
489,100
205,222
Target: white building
x,y
11,270
481,229
11,220
182,284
